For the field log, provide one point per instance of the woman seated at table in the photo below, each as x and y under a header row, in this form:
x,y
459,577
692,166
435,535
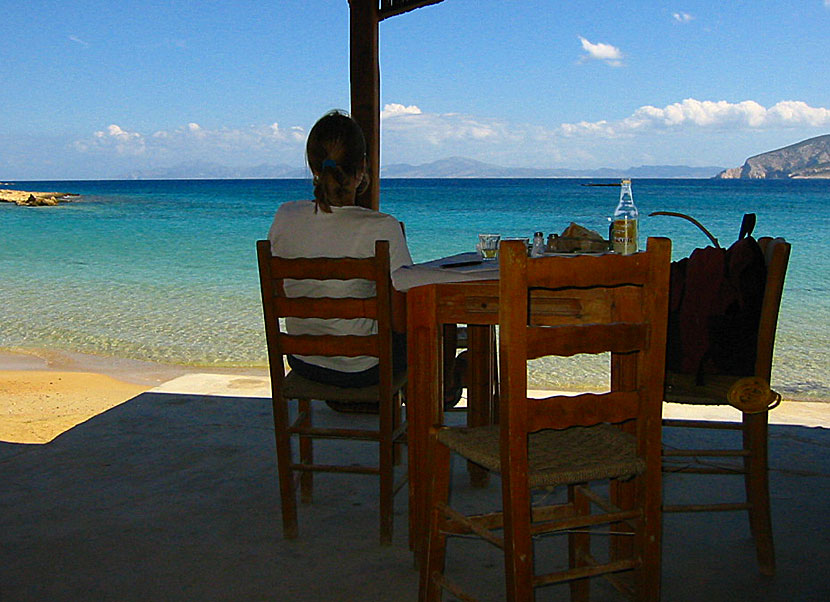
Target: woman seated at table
x,y
333,226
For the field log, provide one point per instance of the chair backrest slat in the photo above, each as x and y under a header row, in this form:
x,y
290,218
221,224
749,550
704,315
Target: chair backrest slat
x,y
324,268
585,271
777,255
325,307
562,411
585,338
348,346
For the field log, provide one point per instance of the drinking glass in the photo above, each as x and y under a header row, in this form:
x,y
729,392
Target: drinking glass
x,y
489,245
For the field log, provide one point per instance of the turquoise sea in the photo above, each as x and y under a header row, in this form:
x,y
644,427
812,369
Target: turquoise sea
x,y
165,271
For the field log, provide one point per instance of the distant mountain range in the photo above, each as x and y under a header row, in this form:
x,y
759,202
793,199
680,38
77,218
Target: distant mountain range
x,y
461,167
452,167
806,159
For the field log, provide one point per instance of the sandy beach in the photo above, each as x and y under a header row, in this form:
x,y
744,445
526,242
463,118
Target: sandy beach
x,y
38,405
46,393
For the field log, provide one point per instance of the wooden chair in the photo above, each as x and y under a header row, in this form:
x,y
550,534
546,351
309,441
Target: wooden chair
x,y
754,396
568,440
284,387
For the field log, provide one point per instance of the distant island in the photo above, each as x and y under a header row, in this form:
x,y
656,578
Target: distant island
x,y
808,159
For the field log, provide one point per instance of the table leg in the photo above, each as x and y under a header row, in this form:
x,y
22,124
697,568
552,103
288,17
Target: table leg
x,y
423,406
480,389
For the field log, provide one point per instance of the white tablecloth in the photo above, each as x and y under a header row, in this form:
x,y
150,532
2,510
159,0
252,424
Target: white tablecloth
x,y
430,272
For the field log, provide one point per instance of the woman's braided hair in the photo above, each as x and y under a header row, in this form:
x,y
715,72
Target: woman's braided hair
x,y
335,152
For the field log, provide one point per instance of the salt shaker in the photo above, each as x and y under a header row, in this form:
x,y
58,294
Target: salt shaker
x,y
538,248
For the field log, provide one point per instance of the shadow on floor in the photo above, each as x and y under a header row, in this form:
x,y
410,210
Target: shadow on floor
x,y
174,497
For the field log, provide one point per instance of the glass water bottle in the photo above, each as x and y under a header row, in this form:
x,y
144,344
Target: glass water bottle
x,y
625,222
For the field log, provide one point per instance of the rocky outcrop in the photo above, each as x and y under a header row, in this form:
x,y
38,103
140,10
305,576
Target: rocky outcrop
x,y
34,199
733,173
806,159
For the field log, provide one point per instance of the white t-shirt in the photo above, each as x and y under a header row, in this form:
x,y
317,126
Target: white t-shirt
x,y
345,232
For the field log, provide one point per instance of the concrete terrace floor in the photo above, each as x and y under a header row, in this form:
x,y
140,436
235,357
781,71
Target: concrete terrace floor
x,y
173,495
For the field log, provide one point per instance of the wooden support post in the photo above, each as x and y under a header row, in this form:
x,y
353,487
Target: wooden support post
x,y
364,71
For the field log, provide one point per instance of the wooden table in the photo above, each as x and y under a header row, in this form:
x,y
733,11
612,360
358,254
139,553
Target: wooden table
x,y
474,303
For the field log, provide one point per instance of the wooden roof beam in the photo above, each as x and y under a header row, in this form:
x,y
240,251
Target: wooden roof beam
x,y
364,78
390,8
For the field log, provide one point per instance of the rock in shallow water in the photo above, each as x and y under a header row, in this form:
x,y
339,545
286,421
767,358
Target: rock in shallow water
x,y
34,199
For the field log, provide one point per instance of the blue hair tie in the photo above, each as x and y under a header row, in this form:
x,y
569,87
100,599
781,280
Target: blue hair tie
x,y
329,163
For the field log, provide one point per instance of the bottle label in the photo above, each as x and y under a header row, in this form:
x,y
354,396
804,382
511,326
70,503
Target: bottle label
x,y
625,236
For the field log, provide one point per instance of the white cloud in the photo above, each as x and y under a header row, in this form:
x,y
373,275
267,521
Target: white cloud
x,y
686,17
418,137
601,52
687,132
117,132
294,133
192,140
410,124
78,40
395,110
707,114
116,138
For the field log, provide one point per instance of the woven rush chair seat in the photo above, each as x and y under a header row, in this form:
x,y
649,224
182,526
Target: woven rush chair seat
x,y
683,388
555,457
748,394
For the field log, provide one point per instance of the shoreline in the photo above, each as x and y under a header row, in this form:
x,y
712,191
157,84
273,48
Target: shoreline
x,y
138,372
150,373
45,393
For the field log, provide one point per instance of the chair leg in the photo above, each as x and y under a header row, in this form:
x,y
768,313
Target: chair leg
x,y
396,423
386,467
306,454
435,548
755,433
494,410
623,494
649,539
579,546
288,499
518,544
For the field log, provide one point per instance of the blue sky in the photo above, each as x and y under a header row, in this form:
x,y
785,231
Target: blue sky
x,y
96,89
